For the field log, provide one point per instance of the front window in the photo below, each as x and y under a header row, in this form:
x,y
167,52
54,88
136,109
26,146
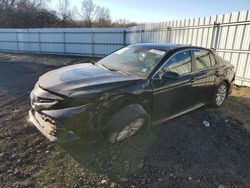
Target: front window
x,y
134,60
179,63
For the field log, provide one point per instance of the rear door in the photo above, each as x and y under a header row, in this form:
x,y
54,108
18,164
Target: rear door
x,y
203,77
173,96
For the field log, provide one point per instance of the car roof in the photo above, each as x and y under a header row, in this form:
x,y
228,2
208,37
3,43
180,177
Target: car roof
x,y
165,47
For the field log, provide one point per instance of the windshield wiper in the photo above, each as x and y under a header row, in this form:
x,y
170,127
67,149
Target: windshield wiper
x,y
115,69
103,66
121,71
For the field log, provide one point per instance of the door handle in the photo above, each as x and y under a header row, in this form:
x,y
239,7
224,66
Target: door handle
x,y
218,73
191,80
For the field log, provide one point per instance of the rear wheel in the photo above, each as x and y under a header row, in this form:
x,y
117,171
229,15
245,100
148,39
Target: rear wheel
x,y
220,95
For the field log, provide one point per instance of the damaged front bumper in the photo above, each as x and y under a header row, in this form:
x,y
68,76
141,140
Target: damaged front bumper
x,y
47,129
57,121
51,131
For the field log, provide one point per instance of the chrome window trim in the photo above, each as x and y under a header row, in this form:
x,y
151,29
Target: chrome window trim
x,y
213,56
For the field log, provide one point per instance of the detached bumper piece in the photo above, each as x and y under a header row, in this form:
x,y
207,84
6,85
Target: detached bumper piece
x,y
50,130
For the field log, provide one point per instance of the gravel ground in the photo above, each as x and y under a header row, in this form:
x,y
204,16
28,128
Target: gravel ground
x,y
180,153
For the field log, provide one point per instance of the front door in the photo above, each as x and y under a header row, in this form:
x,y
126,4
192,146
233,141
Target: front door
x,y
173,96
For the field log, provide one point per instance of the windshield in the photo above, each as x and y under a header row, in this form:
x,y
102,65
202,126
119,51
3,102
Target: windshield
x,y
133,60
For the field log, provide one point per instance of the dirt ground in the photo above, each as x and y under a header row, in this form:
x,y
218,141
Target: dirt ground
x,y
180,153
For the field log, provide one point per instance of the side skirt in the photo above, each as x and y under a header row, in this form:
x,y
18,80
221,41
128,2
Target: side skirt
x,y
176,115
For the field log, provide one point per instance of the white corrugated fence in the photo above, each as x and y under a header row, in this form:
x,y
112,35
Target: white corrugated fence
x,y
228,34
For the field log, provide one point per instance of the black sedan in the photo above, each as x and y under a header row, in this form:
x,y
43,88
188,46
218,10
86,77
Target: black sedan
x,y
137,86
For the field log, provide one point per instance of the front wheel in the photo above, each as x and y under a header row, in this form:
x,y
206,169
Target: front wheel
x,y
116,134
220,95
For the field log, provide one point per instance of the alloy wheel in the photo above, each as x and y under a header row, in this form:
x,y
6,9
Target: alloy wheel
x,y
221,94
130,129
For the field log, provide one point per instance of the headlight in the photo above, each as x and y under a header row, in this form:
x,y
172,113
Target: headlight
x,y
41,99
39,92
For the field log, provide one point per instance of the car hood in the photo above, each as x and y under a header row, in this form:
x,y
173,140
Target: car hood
x,y
83,79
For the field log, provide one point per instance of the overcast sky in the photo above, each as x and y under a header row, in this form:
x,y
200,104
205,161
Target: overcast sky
x,y
165,10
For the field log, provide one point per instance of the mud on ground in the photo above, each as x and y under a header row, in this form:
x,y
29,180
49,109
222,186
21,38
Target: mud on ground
x,y
179,153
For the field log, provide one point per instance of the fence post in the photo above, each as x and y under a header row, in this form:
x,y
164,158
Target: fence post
x,y
124,38
142,31
215,36
216,42
92,43
17,41
64,43
39,41
169,35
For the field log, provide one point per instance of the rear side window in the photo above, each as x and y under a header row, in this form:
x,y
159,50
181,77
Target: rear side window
x,y
203,59
213,60
179,63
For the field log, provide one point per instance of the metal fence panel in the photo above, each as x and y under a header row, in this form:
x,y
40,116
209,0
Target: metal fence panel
x,y
8,46
229,34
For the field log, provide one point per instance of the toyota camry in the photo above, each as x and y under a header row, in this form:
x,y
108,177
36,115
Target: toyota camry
x,y
137,86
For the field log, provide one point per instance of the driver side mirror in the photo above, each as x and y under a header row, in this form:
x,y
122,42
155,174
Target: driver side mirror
x,y
170,75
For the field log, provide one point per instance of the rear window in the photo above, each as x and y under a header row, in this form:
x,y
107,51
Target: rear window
x,y
203,59
213,60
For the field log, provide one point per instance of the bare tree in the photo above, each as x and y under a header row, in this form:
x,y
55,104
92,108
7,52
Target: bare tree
x,y
89,10
7,12
64,11
25,13
103,18
35,13
123,23
93,14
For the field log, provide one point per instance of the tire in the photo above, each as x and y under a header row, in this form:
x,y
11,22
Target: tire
x,y
125,124
220,95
